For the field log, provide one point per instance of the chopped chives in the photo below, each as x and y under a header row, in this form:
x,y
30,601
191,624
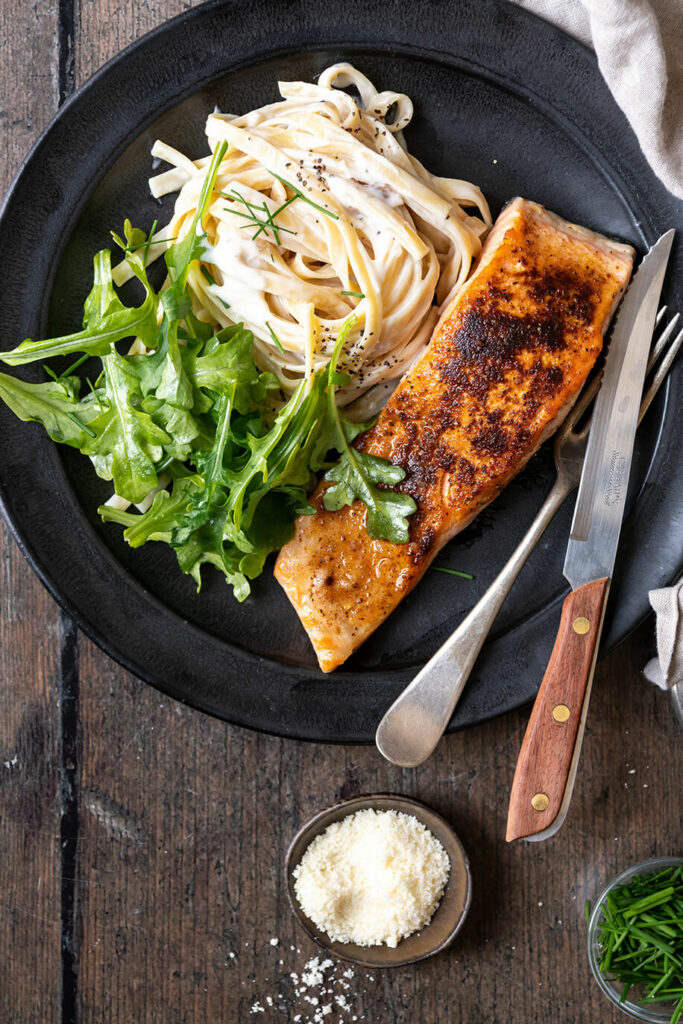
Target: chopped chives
x,y
211,279
75,365
252,218
301,195
357,295
275,338
641,937
94,393
649,901
453,572
69,370
84,426
145,251
676,1015
148,242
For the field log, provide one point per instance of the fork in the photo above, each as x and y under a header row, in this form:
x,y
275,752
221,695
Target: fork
x,y
416,721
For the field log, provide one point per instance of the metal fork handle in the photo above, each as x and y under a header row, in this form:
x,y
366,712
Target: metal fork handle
x,y
416,721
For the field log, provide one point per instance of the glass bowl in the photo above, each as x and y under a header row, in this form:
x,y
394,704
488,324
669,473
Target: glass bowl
x,y
655,1013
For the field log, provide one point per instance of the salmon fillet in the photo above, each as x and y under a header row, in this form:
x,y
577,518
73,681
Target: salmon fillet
x,y
505,364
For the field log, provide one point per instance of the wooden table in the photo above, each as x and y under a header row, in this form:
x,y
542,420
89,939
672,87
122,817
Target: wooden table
x,y
141,843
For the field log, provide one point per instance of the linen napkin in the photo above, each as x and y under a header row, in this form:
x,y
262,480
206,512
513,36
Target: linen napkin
x,y
639,46
666,670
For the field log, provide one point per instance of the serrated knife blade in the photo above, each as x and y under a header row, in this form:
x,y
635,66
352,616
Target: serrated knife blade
x,y
600,504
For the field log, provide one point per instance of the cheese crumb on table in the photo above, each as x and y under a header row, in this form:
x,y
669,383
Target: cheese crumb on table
x,y
373,878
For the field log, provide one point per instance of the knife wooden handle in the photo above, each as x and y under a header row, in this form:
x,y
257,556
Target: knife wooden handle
x,y
546,765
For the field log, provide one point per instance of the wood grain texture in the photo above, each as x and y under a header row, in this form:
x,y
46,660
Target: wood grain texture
x,y
177,824
30,979
184,824
547,753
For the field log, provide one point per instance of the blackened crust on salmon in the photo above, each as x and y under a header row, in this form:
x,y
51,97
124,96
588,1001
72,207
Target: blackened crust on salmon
x,y
562,301
493,333
489,353
491,441
564,294
423,545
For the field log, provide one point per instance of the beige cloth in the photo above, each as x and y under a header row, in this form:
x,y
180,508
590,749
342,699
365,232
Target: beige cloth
x,y
639,46
666,670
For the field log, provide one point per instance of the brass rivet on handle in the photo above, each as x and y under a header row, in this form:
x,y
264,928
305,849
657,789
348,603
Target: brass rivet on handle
x,y
539,802
561,713
581,625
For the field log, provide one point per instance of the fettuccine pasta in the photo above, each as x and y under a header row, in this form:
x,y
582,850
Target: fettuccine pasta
x,y
320,212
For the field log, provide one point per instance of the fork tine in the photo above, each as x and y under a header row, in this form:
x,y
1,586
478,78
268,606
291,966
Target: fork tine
x,y
661,341
662,371
592,389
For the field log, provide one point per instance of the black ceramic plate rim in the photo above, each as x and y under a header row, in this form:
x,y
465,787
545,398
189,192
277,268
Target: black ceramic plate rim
x,y
100,78
382,802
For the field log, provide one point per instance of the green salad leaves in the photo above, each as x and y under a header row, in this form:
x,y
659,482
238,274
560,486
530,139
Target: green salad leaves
x,y
188,415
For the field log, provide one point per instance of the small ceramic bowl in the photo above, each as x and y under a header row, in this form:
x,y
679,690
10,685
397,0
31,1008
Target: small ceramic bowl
x,y
655,1013
448,916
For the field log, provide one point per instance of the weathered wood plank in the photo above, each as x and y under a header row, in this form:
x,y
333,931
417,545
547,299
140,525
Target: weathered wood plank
x,y
105,27
185,823
29,626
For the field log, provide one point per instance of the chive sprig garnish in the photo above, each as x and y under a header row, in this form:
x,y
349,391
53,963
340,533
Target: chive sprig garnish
x,y
641,937
453,572
252,213
252,216
298,194
275,338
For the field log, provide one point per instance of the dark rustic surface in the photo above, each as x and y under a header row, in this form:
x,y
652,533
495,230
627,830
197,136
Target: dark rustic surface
x,y
141,843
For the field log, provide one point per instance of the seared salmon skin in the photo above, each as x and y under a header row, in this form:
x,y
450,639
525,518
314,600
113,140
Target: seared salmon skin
x,y
507,360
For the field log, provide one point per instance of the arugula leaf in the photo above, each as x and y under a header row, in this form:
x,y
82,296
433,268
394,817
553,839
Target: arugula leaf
x,y
179,519
206,540
180,256
354,477
102,298
207,546
226,365
271,527
356,474
280,458
133,238
180,425
163,372
103,330
173,384
128,441
54,405
212,463
166,521
160,519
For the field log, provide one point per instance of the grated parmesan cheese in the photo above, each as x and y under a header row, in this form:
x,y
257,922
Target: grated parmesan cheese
x,y
373,878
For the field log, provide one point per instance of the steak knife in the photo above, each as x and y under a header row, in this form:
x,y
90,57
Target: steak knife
x,y
548,759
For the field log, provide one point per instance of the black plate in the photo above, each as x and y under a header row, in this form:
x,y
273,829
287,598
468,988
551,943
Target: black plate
x,y
500,98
